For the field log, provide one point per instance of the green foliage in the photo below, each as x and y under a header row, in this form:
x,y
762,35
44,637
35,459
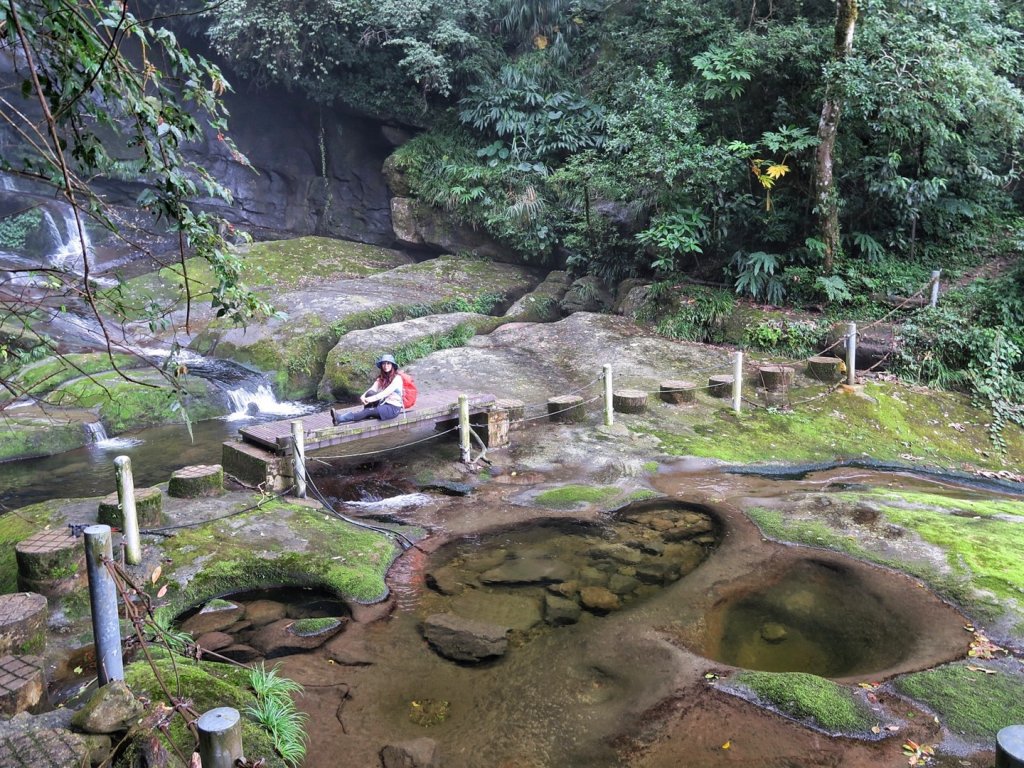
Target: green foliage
x,y
673,235
755,276
999,387
15,229
275,710
572,496
799,338
694,315
825,704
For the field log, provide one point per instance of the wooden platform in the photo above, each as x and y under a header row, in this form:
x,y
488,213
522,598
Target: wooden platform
x,y
434,408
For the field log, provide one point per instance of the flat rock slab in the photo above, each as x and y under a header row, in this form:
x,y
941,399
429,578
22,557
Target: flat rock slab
x,y
462,639
529,571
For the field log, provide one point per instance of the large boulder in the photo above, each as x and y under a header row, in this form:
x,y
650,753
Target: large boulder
x,y
420,225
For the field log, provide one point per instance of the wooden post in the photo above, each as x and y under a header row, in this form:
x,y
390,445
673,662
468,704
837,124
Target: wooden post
x,y
464,428
935,287
220,738
129,515
737,382
609,407
851,354
106,629
299,458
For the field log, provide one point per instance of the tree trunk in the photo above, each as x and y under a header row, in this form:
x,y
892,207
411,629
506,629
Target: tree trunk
x,y
827,199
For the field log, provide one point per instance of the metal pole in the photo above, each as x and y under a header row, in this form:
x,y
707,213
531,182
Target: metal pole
x,y
299,458
220,738
609,410
129,515
935,287
737,382
464,428
851,354
103,603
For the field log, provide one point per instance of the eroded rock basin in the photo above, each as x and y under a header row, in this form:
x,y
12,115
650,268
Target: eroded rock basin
x,y
614,687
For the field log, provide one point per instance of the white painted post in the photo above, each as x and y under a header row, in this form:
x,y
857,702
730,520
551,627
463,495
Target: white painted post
x,y
851,354
464,428
935,287
106,630
609,410
737,382
220,737
129,515
299,458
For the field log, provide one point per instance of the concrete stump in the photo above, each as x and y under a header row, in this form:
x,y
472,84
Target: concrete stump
x,y
197,481
629,401
1010,747
148,509
516,410
22,623
566,408
21,683
51,563
678,392
825,368
721,385
775,378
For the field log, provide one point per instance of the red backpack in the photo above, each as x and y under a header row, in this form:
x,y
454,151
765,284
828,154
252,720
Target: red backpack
x,y
409,390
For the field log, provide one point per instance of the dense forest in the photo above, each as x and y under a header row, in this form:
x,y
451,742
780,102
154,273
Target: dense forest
x,y
820,157
803,154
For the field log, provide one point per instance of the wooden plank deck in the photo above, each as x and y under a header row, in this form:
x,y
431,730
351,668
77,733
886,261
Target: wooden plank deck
x,y
319,432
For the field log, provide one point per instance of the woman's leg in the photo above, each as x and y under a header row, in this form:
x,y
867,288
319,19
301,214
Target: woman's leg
x,y
387,411
368,412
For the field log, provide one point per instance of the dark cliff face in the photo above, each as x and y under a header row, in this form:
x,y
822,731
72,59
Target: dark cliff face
x,y
314,171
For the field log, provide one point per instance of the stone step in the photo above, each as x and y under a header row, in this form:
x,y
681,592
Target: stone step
x,y
21,685
22,623
51,562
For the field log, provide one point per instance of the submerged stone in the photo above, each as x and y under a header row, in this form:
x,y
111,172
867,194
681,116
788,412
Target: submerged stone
x,y
459,639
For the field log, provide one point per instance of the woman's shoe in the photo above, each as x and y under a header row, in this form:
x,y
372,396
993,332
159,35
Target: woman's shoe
x,y
334,417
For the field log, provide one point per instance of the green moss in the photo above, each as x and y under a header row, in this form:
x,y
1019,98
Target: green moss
x,y
889,423
345,559
643,495
650,467
51,372
569,496
207,686
24,437
15,528
826,705
984,548
313,627
127,405
970,703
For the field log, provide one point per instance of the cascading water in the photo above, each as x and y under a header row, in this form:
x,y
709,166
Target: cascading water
x,y
247,402
69,250
98,438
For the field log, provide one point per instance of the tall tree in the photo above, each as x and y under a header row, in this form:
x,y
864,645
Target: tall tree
x,y
827,197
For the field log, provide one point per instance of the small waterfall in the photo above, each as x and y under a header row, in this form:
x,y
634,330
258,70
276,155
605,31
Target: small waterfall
x,y
97,435
249,401
96,432
69,250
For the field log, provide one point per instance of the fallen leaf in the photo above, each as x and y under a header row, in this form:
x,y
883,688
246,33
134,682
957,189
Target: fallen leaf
x,y
976,668
162,592
875,729
727,745
156,574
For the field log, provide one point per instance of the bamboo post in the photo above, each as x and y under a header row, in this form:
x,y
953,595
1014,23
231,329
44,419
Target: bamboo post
x,y
737,382
609,407
299,458
935,287
464,428
103,603
129,514
851,354
220,738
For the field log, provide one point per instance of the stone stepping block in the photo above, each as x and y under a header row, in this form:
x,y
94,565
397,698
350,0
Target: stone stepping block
x,y
721,385
629,401
51,563
775,378
516,409
825,368
21,684
148,508
567,409
195,482
677,392
22,623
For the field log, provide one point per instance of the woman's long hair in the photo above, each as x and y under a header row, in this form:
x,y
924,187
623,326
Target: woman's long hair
x,y
385,379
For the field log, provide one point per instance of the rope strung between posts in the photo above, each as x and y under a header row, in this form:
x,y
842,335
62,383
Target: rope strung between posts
x,y
322,459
